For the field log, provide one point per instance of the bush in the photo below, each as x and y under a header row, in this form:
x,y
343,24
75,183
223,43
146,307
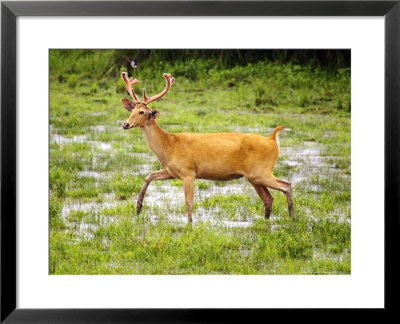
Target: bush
x,y
72,80
55,210
293,245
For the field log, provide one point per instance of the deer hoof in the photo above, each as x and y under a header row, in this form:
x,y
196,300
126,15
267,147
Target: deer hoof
x,y
291,212
138,209
267,213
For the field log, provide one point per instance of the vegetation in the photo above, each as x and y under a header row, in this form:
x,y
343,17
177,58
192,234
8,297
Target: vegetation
x,y
97,168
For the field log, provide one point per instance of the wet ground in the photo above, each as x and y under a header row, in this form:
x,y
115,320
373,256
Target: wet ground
x,y
165,199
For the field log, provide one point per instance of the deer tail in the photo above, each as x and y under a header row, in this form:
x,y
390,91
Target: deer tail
x,y
276,131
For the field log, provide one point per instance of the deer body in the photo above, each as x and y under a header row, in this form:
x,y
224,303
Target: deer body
x,y
215,156
218,156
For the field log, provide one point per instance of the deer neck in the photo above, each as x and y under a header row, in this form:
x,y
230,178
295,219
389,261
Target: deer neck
x,y
157,139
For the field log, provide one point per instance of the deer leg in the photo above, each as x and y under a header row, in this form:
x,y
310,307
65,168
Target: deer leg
x,y
158,175
188,188
266,198
288,192
281,185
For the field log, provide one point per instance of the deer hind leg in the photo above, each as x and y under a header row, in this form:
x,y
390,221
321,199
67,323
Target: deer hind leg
x,y
158,175
266,198
188,188
281,185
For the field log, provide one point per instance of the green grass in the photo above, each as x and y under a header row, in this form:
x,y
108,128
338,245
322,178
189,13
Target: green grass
x,y
97,170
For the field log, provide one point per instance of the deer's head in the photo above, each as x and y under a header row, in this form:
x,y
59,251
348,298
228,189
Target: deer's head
x,y
141,114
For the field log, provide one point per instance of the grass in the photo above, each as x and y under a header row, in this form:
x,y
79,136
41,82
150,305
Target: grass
x,y
97,169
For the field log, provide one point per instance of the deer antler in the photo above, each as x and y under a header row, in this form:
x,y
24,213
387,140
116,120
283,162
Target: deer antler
x,y
169,80
145,95
129,83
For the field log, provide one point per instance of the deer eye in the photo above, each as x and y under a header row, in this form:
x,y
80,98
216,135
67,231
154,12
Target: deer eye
x,y
141,113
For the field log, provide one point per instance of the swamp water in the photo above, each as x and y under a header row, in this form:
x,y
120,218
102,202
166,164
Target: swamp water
x,y
165,201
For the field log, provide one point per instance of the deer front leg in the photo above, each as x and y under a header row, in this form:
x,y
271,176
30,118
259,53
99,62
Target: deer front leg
x,y
157,175
188,188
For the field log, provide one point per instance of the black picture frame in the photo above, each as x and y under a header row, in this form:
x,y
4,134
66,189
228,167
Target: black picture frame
x,y
10,10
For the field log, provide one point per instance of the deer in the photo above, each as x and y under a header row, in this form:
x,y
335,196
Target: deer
x,y
210,156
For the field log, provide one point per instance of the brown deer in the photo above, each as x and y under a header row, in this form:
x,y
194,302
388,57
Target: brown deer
x,y
218,156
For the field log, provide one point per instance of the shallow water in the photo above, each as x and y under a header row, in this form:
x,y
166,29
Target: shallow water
x,y
166,201
307,161
92,174
338,257
92,206
59,139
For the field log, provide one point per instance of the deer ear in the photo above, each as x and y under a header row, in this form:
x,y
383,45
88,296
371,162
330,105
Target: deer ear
x,y
153,114
129,105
